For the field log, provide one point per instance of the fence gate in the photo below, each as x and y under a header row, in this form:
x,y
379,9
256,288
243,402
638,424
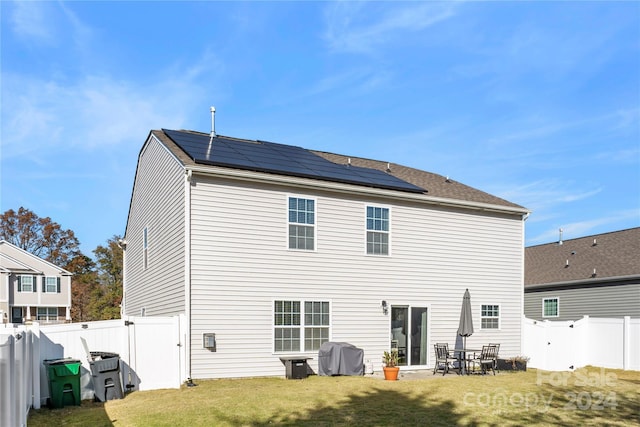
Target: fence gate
x,y
155,357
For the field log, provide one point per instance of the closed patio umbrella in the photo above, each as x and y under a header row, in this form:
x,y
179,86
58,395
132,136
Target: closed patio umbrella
x,y
465,329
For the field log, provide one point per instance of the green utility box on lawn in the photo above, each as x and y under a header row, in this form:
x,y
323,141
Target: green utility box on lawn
x,y
64,382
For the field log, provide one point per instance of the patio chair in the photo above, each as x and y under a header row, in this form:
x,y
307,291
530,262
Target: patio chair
x,y
495,365
487,359
443,358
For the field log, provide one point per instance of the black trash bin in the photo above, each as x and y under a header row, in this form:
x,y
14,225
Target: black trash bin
x,y
296,368
105,372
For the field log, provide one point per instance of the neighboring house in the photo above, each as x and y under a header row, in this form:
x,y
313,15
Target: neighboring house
x,y
270,250
595,276
32,289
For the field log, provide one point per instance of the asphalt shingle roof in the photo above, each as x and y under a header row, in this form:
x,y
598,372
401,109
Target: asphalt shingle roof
x,y
434,184
614,254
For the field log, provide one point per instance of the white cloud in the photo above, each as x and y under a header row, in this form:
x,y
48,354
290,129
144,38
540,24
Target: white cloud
x,y
94,112
31,21
347,30
545,195
617,220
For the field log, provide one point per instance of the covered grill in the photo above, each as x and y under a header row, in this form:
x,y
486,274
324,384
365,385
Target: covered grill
x,y
340,358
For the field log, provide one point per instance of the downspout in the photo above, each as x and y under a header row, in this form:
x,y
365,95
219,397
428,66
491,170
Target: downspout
x,y
187,272
522,317
122,244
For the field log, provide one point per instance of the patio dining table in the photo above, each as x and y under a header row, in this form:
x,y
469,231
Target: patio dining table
x,y
462,358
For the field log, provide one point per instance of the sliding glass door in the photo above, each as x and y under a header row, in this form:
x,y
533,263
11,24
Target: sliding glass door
x,y
409,334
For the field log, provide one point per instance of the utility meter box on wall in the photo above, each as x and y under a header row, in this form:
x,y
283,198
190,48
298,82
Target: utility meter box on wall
x,y
209,341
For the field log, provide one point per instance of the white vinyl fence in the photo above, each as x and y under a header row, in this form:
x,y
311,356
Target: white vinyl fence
x,y
151,351
16,376
567,345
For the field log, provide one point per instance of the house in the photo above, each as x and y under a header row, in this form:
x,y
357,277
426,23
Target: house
x,y
32,288
596,276
271,250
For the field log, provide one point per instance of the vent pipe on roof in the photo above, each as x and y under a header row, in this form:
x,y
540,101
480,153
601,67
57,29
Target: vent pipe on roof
x,y
213,131
595,242
560,239
213,122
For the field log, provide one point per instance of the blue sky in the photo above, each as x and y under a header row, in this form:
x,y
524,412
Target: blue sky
x,y
536,102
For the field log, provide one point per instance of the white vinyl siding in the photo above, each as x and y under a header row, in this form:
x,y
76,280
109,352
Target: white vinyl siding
x,y
145,248
438,252
154,273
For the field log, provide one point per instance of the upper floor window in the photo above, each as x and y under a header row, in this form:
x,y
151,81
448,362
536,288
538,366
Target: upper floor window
x,y
145,248
300,324
377,230
550,307
27,283
51,285
302,221
490,316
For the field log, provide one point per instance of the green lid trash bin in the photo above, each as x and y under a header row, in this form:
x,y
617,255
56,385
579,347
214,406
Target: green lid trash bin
x,y
64,381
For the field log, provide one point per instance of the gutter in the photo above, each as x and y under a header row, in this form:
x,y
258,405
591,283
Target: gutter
x,y
350,189
586,281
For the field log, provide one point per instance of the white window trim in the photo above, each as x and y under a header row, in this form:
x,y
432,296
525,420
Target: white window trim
x,y
557,305
377,205
55,285
301,326
491,317
48,317
314,225
34,282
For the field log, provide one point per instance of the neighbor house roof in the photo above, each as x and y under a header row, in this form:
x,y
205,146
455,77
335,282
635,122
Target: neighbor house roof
x,y
600,257
9,263
431,184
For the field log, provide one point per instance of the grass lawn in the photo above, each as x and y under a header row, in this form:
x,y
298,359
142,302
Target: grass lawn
x,y
587,397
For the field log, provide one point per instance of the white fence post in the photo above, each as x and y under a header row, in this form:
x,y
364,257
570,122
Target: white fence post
x,y
7,381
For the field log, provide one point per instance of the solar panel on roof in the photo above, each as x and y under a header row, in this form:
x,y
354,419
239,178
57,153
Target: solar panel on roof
x,y
282,159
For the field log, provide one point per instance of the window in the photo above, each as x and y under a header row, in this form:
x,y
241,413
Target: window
x,y
51,285
27,284
550,307
145,247
47,313
301,223
377,230
490,317
297,323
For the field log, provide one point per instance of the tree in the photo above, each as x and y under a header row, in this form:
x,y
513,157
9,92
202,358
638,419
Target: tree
x,y
96,287
109,262
84,287
39,236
